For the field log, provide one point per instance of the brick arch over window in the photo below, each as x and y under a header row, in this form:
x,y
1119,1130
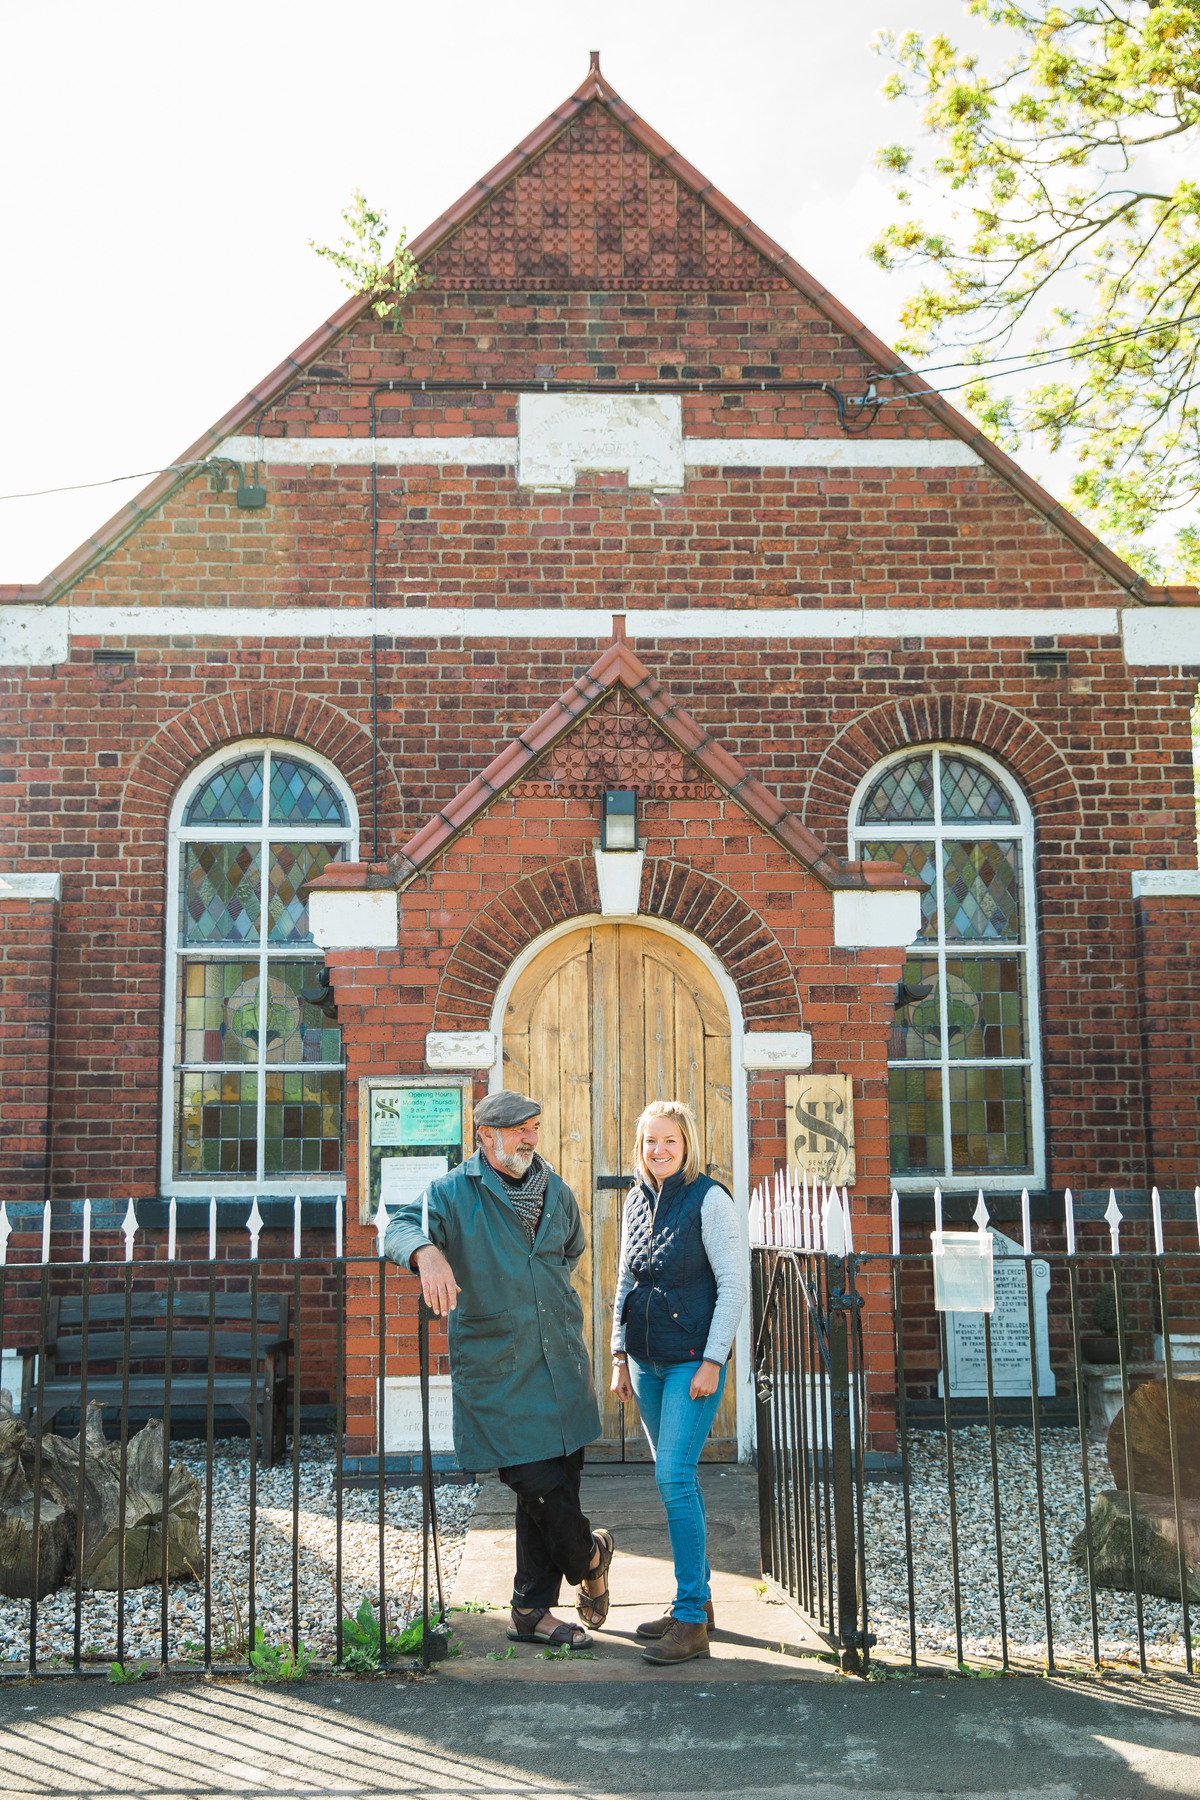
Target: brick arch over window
x,y
672,891
1022,747
223,720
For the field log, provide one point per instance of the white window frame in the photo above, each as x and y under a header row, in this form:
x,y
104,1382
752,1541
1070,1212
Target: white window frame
x,y
204,1186
1020,831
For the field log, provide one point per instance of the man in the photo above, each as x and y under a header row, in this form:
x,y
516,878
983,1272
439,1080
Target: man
x,y
494,1243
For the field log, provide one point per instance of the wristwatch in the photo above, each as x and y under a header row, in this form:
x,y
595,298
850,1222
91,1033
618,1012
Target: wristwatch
x,y
620,1357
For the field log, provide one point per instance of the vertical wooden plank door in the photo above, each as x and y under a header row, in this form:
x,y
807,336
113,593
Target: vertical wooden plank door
x,y
603,1020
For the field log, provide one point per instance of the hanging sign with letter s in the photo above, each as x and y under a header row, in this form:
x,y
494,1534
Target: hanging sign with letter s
x,y
820,1127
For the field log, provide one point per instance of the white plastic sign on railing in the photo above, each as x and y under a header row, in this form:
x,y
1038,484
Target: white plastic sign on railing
x,y
963,1275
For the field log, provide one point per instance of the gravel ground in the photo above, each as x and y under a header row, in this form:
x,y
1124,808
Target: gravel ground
x,y
1026,1621
273,1576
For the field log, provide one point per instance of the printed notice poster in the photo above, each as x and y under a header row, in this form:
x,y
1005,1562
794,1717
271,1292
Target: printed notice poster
x,y
413,1131
404,1117
403,1178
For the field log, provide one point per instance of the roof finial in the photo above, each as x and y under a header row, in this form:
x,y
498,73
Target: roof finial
x,y
594,62
618,620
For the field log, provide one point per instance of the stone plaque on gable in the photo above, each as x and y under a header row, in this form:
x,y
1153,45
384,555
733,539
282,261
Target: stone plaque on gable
x,y
1011,1375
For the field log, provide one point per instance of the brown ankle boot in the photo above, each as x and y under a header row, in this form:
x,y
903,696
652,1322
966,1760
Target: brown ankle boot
x,y
679,1643
653,1629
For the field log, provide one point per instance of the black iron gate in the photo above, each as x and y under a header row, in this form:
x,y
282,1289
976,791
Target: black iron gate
x,y
810,1405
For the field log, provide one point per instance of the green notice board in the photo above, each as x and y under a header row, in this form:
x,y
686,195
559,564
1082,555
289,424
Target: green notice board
x,y
410,1132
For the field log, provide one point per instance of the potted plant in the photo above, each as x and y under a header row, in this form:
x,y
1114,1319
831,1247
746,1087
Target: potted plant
x,y
1101,1344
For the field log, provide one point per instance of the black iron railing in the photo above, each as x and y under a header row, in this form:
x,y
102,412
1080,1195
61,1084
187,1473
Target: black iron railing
x,y
1038,1513
239,1534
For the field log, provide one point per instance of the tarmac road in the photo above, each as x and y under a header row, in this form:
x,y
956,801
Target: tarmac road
x,y
896,1740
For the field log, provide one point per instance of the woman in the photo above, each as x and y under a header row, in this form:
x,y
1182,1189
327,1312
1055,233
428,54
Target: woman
x,y
680,1293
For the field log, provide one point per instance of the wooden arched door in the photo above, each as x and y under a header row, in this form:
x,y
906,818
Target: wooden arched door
x,y
603,1020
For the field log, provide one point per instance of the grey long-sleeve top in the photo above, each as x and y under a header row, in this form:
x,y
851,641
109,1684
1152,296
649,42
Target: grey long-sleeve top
x,y
723,1248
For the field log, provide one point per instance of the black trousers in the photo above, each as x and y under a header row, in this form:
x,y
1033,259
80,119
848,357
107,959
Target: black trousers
x,y
554,1538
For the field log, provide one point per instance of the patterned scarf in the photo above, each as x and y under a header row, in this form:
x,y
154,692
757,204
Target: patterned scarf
x,y
528,1195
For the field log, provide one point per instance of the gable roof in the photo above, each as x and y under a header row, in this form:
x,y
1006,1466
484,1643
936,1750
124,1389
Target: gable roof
x,y
616,667
594,89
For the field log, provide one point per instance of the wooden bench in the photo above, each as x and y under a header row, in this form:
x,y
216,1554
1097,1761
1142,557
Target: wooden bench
x,y
260,1397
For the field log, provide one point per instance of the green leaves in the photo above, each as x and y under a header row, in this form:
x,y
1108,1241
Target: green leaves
x,y
360,256
1061,252
361,1653
270,1662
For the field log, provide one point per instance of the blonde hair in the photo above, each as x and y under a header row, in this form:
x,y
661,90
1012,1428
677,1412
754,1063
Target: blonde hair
x,y
683,1116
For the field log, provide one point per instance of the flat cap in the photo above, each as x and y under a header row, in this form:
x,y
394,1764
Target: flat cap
x,y
506,1108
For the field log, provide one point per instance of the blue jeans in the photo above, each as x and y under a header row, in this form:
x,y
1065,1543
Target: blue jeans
x,y
677,1427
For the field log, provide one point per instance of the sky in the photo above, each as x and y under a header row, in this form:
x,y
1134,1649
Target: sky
x,y
165,166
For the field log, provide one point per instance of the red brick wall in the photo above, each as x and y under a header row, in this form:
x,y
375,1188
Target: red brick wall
x,y
388,1000
100,753
28,930
1169,944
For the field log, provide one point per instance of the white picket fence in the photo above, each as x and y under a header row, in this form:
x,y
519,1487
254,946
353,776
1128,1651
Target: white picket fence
x,y
790,1212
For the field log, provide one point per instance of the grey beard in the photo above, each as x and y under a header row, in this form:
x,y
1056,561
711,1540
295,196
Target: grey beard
x,y
518,1163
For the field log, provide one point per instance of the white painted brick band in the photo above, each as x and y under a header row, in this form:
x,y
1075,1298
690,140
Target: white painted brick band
x,y
25,641
30,887
33,635
696,453
1155,883
1162,636
354,921
871,921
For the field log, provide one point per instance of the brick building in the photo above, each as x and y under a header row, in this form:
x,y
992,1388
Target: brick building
x,y
620,509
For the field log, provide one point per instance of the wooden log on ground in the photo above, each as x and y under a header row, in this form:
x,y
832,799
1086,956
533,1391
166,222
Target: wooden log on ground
x,y
1139,1444
55,1536
1157,1545
100,1503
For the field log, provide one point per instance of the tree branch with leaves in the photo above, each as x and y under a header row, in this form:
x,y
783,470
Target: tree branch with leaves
x,y
1069,250
365,267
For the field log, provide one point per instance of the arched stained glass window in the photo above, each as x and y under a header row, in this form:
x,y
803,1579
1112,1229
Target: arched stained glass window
x,y
964,1080
255,1093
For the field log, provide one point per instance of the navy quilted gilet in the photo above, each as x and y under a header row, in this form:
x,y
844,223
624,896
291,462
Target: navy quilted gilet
x,y
668,1312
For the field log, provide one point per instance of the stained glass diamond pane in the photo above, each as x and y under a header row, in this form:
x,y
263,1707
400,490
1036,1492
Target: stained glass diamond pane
x,y
969,793
232,795
916,1033
915,1117
985,1004
303,1124
218,1124
983,890
221,901
915,859
291,866
904,791
220,1012
989,1118
300,794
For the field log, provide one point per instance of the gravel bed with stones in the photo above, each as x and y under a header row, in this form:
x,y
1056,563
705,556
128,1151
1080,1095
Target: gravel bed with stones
x,y
1070,1612
317,1530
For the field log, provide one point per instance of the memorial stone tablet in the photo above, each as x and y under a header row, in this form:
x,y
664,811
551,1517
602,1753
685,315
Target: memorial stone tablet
x,y
1011,1372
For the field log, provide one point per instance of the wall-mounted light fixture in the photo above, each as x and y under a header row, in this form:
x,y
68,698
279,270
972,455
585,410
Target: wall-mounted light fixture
x,y
618,820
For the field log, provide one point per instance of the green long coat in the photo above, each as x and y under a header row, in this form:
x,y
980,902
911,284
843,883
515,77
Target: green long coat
x,y
522,1382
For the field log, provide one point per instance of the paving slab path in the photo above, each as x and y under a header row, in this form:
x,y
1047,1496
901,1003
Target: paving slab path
x,y
757,1635
438,1739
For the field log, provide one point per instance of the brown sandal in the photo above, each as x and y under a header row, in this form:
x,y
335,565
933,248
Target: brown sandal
x,y
593,1608
524,1630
